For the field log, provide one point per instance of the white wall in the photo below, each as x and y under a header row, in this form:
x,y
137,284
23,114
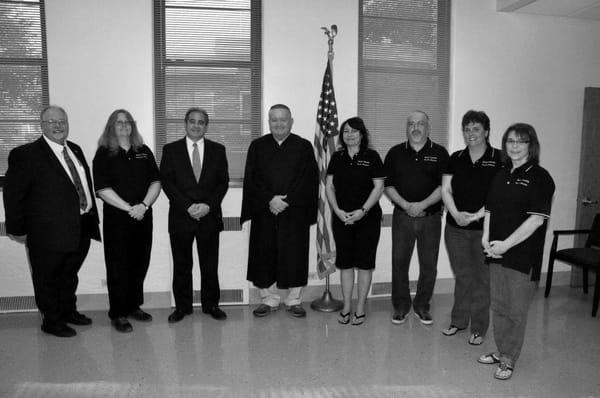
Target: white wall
x,y
515,67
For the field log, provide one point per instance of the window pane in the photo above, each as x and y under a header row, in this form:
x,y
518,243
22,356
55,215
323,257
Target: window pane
x,y
21,91
405,9
207,34
408,44
20,30
23,75
223,92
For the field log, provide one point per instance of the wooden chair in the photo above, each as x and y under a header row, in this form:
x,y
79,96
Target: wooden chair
x,y
588,258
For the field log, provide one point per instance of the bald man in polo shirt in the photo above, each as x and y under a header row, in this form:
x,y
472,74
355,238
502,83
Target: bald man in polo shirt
x,y
414,175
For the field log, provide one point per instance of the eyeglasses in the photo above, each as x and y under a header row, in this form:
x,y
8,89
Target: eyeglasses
x,y
53,122
194,121
420,123
124,123
516,142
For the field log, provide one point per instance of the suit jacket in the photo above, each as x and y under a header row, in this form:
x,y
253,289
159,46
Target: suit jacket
x,y
41,201
182,189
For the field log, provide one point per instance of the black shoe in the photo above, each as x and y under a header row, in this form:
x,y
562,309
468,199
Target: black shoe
x,y
140,315
77,318
215,312
178,315
122,325
58,329
297,311
424,317
264,310
399,318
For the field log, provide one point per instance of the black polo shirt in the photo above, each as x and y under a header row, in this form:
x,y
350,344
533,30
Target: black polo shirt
x,y
128,173
471,182
353,177
513,197
415,175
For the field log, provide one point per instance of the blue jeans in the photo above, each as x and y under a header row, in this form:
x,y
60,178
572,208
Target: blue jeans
x,y
511,293
472,288
426,232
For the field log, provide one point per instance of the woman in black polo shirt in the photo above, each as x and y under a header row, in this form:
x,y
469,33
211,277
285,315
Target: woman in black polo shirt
x,y
126,178
354,185
516,213
465,185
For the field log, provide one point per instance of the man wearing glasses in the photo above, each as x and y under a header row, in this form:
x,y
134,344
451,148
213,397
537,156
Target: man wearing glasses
x,y
50,208
413,184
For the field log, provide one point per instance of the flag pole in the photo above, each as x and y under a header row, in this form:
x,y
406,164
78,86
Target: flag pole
x,y
327,303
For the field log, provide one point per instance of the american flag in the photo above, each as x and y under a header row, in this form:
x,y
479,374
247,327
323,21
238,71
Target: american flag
x,y
325,133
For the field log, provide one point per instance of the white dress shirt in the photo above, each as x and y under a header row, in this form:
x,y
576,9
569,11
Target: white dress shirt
x,y
190,148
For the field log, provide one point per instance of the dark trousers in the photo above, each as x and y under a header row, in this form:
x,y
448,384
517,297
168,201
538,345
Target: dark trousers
x,y
127,247
511,294
55,280
208,254
426,232
472,288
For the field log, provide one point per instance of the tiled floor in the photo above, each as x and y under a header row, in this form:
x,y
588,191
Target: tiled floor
x,y
280,356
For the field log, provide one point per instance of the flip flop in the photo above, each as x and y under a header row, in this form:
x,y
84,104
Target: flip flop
x,y
476,339
358,319
451,330
489,359
344,319
504,371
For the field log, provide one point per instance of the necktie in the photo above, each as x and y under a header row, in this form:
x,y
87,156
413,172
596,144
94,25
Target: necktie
x,y
76,180
196,162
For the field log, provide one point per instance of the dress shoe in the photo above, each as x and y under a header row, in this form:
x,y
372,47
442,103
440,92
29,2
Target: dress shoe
x,y
122,325
296,310
77,318
140,315
58,329
264,310
215,312
178,315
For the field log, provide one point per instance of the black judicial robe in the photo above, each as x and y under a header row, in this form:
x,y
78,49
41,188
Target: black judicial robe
x,y
278,248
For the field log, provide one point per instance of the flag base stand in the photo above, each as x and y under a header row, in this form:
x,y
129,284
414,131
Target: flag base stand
x,y
326,303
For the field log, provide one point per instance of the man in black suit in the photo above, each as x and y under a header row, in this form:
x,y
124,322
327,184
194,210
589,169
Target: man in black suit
x,y
195,177
50,207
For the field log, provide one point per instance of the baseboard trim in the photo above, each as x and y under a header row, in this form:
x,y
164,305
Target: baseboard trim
x,y
99,302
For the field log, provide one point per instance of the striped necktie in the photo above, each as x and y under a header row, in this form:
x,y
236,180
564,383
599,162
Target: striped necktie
x,y
76,180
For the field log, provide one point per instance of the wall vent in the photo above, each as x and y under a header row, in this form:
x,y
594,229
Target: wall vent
x,y
17,304
228,296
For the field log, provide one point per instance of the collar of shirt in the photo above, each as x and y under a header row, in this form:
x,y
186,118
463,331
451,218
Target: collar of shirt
x,y
522,169
488,154
190,148
428,144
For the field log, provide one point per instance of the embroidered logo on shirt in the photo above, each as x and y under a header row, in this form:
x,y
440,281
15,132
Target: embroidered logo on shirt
x,y
141,156
488,163
430,158
365,163
522,181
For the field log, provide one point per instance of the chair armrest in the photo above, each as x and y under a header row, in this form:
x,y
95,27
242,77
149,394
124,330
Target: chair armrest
x,y
571,231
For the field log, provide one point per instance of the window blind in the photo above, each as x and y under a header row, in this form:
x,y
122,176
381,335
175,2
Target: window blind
x,y
23,74
404,57
208,54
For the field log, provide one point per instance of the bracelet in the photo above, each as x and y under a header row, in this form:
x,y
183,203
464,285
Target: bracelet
x,y
145,205
364,210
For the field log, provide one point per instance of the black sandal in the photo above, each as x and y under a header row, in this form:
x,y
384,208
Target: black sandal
x,y
358,319
344,319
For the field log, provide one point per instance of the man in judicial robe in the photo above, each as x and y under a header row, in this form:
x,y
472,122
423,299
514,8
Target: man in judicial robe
x,y
280,197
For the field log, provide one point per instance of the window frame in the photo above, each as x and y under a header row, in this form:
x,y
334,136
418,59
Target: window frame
x,y
442,71
161,62
42,62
